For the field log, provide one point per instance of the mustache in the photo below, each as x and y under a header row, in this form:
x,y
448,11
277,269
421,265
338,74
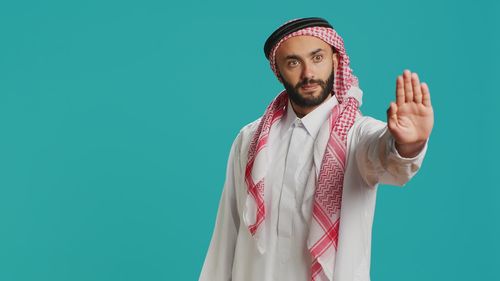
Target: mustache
x,y
310,81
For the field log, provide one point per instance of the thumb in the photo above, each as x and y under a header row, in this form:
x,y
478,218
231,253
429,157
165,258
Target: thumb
x,y
392,112
392,116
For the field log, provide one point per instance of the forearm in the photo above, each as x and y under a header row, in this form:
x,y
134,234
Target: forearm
x,y
379,158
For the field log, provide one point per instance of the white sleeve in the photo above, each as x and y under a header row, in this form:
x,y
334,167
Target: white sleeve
x,y
219,259
377,157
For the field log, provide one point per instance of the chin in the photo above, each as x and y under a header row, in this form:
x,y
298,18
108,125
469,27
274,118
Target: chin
x,y
311,95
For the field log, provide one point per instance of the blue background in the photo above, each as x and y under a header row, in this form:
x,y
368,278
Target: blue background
x,y
116,119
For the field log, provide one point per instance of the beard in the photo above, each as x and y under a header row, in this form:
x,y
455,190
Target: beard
x,y
309,101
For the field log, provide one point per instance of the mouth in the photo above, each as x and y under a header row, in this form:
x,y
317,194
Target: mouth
x,y
309,87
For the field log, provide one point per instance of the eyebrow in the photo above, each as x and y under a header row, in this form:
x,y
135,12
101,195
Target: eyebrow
x,y
293,56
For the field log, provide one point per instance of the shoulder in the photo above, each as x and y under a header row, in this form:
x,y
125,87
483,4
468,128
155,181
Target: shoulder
x,y
249,129
367,122
243,139
247,132
365,125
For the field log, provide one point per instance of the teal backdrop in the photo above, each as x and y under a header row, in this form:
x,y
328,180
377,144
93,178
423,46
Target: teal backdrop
x,y
116,119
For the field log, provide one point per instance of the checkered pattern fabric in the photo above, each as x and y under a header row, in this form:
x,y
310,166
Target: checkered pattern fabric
x,y
324,229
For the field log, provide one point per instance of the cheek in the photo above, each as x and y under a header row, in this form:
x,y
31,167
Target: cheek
x,y
292,77
326,70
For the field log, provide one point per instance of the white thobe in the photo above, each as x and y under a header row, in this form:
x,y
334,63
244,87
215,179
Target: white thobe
x,y
289,193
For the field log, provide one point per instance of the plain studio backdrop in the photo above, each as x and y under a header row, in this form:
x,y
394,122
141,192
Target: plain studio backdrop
x,y
116,120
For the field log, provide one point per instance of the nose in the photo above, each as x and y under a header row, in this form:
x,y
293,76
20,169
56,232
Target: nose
x,y
307,71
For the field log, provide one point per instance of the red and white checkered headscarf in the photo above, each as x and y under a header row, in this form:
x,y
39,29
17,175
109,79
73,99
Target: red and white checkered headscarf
x,y
324,228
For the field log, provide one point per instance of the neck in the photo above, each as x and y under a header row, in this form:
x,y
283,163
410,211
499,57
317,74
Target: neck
x,y
302,111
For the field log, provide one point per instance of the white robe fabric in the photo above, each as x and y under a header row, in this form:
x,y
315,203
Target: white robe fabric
x,y
296,148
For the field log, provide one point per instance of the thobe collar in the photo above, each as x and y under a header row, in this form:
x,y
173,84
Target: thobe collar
x,y
313,120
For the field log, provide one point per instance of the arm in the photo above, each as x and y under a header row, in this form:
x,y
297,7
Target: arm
x,y
219,259
377,158
393,154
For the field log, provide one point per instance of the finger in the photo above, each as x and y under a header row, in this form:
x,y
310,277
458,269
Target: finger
x,y
417,93
407,85
426,95
400,91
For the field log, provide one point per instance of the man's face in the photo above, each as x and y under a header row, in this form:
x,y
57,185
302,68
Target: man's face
x,y
307,65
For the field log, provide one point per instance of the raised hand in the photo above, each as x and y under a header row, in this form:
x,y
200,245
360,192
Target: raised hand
x,y
411,118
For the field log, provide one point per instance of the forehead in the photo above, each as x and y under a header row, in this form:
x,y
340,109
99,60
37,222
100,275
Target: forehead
x,y
301,46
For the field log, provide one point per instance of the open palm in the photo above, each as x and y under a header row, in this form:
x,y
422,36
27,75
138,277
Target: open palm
x,y
411,118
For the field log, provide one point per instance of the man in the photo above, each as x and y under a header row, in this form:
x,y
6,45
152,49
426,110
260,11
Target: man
x,y
299,196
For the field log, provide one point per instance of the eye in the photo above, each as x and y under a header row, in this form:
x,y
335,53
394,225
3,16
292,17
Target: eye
x,y
293,63
318,58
